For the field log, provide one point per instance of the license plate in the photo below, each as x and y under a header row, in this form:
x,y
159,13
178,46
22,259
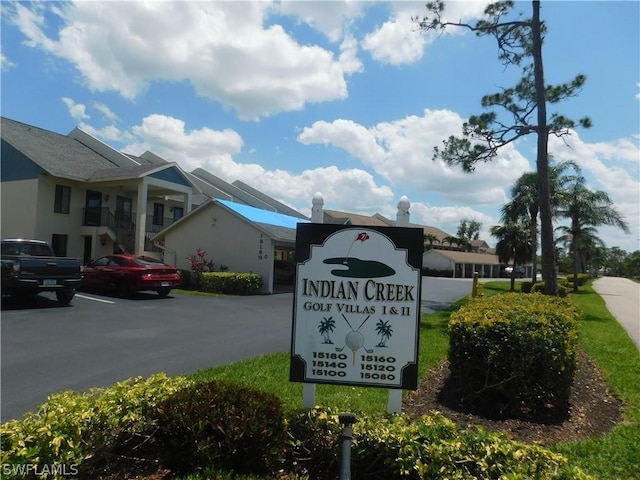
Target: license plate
x,y
49,283
164,284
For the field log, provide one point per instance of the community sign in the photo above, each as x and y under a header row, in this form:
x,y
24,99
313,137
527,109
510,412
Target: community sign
x,y
356,307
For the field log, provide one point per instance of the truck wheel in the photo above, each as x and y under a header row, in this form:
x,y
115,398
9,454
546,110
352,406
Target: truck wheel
x,y
65,296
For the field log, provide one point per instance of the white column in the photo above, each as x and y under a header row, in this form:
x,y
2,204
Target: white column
x,y
317,216
317,208
402,217
141,215
394,404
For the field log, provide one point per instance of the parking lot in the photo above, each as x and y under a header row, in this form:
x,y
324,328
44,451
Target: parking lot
x,y
99,339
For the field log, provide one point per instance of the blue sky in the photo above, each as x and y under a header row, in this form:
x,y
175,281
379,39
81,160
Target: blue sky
x,y
342,98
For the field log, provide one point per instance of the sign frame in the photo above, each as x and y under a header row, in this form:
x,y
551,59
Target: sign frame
x,y
352,289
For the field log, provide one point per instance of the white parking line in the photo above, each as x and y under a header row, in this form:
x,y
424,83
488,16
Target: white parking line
x,y
94,299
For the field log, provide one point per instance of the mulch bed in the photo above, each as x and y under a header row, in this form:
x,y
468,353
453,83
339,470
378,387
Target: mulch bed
x,y
593,409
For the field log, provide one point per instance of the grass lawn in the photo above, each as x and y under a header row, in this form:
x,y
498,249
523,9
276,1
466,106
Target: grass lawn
x,y
612,456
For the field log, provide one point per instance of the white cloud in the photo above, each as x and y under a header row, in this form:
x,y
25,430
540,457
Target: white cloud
x,y
352,189
76,110
167,137
223,49
396,42
401,151
5,63
399,41
612,167
106,111
331,18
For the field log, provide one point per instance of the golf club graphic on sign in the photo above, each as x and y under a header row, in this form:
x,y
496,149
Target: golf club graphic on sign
x,y
356,305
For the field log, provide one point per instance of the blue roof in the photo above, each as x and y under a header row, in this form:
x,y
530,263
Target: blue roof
x,y
263,216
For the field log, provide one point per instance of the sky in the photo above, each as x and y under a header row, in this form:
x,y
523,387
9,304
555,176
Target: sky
x,y
346,99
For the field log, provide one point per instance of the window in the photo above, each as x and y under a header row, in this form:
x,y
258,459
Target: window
x,y
59,245
158,213
178,212
62,200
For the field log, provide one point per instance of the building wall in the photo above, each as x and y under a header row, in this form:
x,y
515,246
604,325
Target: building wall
x,y
19,200
49,223
227,239
432,259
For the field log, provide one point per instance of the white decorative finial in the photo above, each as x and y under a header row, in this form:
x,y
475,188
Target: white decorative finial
x,y
317,211
402,217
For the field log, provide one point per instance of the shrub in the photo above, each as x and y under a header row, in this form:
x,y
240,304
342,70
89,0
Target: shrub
x,y
582,279
563,288
525,287
222,425
431,447
199,264
514,354
432,272
231,283
87,430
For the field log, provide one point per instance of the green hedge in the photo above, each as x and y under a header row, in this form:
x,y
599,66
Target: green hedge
x,y
223,427
87,431
513,354
231,283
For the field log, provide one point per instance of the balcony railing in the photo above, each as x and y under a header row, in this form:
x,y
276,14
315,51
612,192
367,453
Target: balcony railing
x,y
123,226
98,217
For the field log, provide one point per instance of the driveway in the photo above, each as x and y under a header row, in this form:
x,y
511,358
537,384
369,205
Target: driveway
x,y
622,297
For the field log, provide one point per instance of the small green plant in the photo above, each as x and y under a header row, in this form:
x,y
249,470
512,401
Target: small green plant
x,y
222,424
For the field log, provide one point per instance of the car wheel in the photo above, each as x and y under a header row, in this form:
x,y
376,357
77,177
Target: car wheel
x,y
122,289
65,296
163,292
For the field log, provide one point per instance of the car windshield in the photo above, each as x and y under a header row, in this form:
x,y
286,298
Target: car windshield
x,y
147,262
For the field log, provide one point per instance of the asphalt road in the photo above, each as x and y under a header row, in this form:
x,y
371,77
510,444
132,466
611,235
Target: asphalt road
x,y
100,340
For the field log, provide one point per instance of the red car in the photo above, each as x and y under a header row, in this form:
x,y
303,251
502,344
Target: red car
x,y
126,274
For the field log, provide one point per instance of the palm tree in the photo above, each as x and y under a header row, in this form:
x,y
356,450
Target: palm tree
x,y
525,203
450,240
326,328
514,244
588,248
587,208
384,330
431,238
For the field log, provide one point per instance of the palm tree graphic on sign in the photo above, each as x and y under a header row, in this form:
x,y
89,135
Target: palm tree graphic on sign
x,y
326,328
383,328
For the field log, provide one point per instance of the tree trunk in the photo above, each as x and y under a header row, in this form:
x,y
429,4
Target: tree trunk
x,y
542,161
534,245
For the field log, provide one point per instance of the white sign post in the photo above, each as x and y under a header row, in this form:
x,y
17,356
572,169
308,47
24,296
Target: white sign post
x,y
357,306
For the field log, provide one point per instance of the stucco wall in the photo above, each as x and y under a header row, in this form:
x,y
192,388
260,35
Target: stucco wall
x,y
432,259
49,223
227,239
19,200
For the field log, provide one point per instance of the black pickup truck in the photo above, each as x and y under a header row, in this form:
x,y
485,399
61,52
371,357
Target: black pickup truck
x,y
30,267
